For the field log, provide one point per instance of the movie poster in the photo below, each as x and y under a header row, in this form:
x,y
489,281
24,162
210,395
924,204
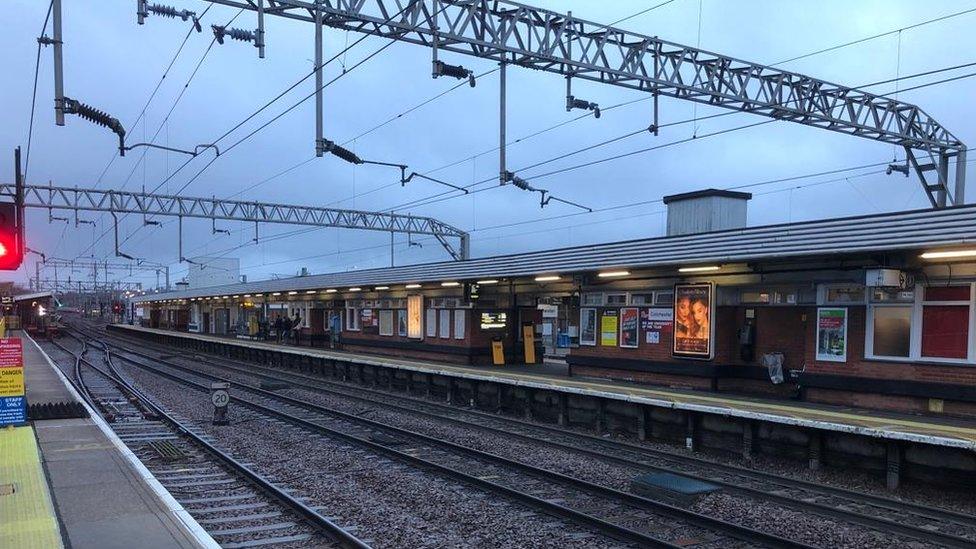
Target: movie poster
x,y
693,314
832,334
629,327
608,328
587,326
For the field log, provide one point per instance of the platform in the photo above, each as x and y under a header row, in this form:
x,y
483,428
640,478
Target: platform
x,y
95,488
938,431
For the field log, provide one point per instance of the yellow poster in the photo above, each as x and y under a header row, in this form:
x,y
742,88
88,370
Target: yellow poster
x,y
608,329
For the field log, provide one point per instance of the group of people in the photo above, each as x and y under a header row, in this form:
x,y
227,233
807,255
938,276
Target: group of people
x,y
287,329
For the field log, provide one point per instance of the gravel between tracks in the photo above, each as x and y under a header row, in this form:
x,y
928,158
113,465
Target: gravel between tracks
x,y
390,504
803,527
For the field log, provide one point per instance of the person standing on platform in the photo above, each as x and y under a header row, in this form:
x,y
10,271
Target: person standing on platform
x,y
296,325
279,328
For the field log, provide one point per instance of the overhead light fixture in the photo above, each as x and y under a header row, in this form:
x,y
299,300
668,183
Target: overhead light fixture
x,y
275,293
381,288
331,291
247,295
703,269
546,278
310,292
412,286
613,274
949,254
450,284
293,292
354,289
486,282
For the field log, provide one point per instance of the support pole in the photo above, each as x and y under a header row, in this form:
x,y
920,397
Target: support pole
x,y
502,170
960,195
58,65
943,172
319,141
259,35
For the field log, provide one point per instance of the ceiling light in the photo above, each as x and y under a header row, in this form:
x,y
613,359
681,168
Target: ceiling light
x,y
236,296
612,274
382,288
450,284
704,269
412,286
247,295
949,254
354,289
276,293
546,278
331,291
293,292
310,292
489,281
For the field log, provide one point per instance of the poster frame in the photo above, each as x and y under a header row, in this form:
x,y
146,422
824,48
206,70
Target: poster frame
x,y
709,354
832,358
636,330
588,311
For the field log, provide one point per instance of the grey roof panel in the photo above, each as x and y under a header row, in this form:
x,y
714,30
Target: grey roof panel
x,y
881,232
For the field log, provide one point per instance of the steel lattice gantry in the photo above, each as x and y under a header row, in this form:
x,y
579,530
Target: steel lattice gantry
x,y
516,34
85,286
99,200
95,268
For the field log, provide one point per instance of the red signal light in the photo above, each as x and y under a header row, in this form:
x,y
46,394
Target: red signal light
x,y
11,255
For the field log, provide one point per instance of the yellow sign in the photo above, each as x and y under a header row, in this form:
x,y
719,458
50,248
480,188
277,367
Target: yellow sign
x,y
528,338
12,381
608,330
497,353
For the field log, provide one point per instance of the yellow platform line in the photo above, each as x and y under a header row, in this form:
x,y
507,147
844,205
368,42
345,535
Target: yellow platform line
x,y
27,519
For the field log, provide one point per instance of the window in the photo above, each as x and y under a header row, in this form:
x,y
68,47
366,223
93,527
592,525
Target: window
x,y
616,300
593,299
840,294
445,323
386,322
431,323
642,299
459,323
352,319
665,297
931,323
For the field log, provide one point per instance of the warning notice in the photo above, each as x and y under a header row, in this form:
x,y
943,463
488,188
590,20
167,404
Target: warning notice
x,y
13,409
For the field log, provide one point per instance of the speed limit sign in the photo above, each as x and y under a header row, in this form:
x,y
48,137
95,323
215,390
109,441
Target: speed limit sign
x,y
220,399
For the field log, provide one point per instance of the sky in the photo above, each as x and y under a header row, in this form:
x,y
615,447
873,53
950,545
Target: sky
x,y
114,64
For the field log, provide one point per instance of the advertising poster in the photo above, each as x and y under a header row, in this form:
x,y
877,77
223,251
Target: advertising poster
x,y
655,320
608,329
693,314
402,322
587,326
13,405
629,327
832,334
415,319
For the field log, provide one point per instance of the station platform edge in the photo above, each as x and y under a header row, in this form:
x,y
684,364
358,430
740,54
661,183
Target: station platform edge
x,y
936,431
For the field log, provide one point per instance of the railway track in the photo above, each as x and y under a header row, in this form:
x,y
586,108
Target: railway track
x,y
238,507
926,524
620,515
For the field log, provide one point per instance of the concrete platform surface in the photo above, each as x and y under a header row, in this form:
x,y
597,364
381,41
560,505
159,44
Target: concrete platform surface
x,y
27,518
938,431
102,498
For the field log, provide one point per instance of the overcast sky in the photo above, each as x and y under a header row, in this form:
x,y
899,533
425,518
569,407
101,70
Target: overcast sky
x,y
114,64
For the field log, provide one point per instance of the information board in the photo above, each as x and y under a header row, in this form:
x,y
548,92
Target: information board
x,y
13,405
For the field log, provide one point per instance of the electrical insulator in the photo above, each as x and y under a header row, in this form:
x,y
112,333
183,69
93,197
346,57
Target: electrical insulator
x,y
143,9
342,152
518,181
573,103
96,116
237,34
454,71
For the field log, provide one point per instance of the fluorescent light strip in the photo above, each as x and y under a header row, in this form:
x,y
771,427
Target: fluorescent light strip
x,y
699,269
450,284
949,254
412,286
546,278
331,291
486,282
612,274
355,289
381,288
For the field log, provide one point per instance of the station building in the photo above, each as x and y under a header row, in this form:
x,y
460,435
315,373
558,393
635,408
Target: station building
x,y
873,311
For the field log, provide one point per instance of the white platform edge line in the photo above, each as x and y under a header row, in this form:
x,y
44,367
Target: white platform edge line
x,y
197,532
715,410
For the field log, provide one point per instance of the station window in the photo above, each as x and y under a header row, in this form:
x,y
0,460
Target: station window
x,y
616,300
931,323
352,319
593,299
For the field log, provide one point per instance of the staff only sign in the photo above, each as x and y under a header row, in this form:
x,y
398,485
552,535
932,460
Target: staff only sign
x,y
13,405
